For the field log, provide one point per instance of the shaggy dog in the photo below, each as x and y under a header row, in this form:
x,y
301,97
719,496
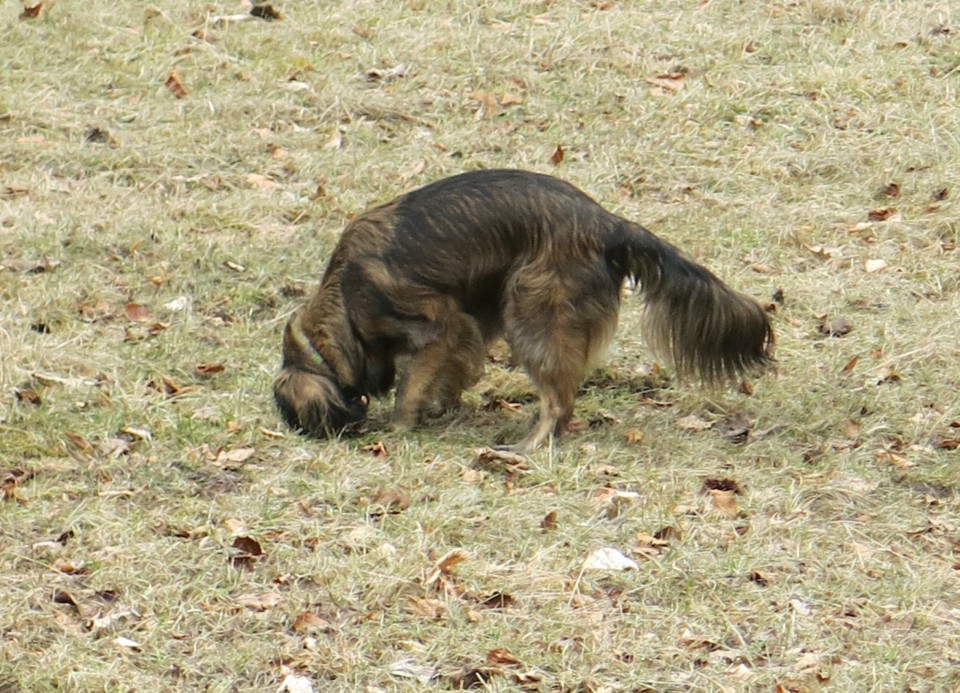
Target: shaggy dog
x,y
440,272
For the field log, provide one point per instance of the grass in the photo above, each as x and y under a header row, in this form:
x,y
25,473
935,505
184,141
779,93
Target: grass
x,y
143,235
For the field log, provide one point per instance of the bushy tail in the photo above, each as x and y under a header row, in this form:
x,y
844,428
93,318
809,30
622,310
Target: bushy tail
x,y
704,328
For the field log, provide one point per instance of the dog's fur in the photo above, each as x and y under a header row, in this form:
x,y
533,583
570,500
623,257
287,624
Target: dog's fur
x,y
440,272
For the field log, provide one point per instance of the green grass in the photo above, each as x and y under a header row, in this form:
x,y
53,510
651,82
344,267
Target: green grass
x,y
837,568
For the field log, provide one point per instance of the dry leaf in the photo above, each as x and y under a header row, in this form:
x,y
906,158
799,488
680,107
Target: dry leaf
x,y
260,182
549,521
891,190
295,683
850,365
692,422
884,214
432,609
136,312
28,396
378,450
501,657
208,369
309,621
445,565
32,12
233,459
837,327
268,13
875,265
634,436
409,669
128,644
260,602
557,156
502,461
725,502
175,86
608,558
391,500
248,546
669,81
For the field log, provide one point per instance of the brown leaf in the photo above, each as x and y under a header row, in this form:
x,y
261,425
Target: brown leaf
x,y
497,600
722,485
634,436
549,521
136,312
32,12
265,12
309,621
429,608
851,364
725,502
391,500
891,190
692,422
836,327
248,545
557,156
233,459
884,214
260,602
669,81
175,86
207,369
941,194
28,396
501,657
378,450
502,461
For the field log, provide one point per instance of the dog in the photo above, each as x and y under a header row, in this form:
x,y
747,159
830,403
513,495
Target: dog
x,y
437,274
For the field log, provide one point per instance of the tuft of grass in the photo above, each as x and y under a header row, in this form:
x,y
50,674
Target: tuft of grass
x,y
802,536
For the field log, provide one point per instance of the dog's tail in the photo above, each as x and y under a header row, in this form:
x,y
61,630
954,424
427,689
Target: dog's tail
x,y
307,392
692,319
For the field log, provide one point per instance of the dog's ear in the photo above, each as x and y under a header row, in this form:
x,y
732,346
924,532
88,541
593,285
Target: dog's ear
x,y
314,404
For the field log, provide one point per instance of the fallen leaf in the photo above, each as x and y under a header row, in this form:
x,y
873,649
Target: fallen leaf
x,y
432,609
260,602
549,521
634,436
836,327
608,558
294,683
669,81
233,459
409,669
501,657
205,370
557,156
269,13
725,502
692,422
378,450
136,312
875,265
391,500
28,396
248,545
502,461
32,12
128,644
445,565
261,182
175,86
309,621
850,365
884,214
891,190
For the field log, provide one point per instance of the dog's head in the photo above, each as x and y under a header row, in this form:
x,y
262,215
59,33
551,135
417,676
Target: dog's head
x,y
315,404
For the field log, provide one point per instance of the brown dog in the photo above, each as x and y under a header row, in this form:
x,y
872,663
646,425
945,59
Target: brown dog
x,y
440,272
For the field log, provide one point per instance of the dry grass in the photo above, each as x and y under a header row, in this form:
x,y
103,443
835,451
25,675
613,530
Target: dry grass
x,y
771,133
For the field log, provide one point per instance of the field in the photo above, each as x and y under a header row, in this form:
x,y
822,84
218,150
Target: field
x,y
173,177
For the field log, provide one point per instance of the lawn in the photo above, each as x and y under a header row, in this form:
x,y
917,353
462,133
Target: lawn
x,y
173,177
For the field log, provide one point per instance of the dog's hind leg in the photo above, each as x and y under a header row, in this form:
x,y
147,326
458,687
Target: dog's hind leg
x,y
440,371
558,324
